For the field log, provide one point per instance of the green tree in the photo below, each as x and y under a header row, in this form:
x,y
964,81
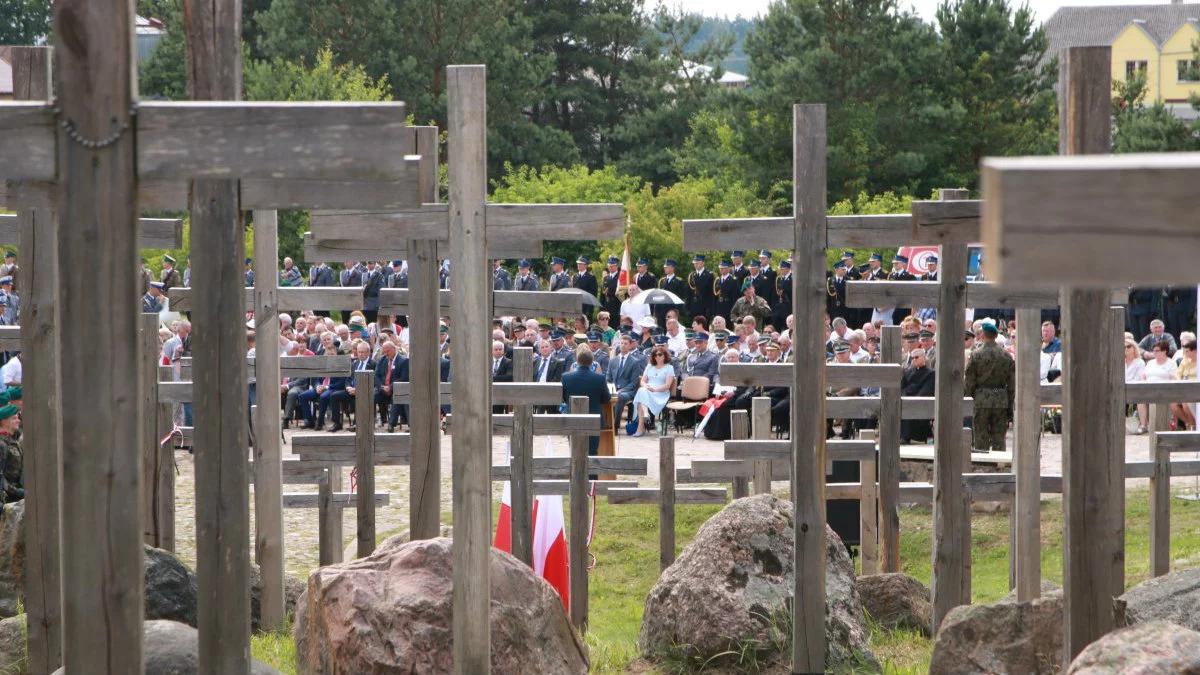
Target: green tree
x,y
164,74
996,77
24,22
864,204
1141,128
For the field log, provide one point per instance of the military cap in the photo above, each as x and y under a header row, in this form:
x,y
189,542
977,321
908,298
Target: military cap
x,y
397,263
725,263
840,347
4,398
848,254
580,338
153,284
876,256
626,331
697,258
773,344
912,336
737,254
900,259
167,258
660,339
593,336
643,261
9,253
925,333
746,283
557,261
720,335
14,392
989,326
755,264
443,328
669,262
523,264
583,260
557,335
932,259
612,260
8,411
787,264
249,260
689,334
764,253
701,336
839,265
6,280
545,326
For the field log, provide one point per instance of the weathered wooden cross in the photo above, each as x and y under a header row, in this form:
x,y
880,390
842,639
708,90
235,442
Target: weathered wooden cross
x,y
1100,209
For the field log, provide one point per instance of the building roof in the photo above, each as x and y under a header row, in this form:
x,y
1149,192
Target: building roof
x,y
1097,26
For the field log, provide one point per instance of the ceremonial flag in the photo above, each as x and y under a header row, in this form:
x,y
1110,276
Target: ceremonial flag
x,y
624,276
918,258
549,541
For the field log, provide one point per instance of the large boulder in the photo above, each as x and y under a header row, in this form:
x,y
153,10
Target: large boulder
x,y
293,588
896,600
1174,597
12,645
1001,637
391,612
12,558
731,591
1154,648
172,648
170,587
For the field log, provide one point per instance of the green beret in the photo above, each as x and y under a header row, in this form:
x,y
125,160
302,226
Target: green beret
x,y
8,411
14,392
746,283
4,399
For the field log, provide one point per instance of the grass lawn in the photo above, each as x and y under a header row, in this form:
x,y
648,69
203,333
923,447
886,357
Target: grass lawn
x,y
626,551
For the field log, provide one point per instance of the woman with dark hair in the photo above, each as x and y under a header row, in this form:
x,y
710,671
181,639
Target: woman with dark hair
x,y
658,379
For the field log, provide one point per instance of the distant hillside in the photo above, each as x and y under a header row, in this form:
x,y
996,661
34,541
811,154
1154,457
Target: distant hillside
x,y
738,27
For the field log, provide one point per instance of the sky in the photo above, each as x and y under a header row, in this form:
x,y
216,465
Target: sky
x,y
926,8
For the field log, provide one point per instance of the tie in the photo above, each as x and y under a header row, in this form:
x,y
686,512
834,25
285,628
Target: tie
x,y
495,367
620,365
541,369
387,379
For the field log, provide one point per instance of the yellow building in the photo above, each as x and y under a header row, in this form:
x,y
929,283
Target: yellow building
x,y
1154,40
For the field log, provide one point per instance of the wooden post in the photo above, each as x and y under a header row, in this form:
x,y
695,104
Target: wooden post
x,y
808,389
966,445
868,512
42,417
1160,493
425,475
1093,423
472,438
951,553
268,479
521,463
165,480
364,459
579,521
148,419
101,540
1027,429
889,459
326,544
739,430
760,409
666,501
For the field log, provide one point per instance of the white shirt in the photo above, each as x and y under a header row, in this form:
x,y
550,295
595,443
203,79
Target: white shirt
x,y
1155,372
677,343
1135,370
636,311
861,356
10,373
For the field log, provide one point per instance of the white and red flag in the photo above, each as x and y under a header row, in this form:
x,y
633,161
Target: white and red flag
x,y
549,540
918,258
626,274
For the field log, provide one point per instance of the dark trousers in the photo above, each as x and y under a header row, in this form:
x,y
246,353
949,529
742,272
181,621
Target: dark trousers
x,y
340,400
624,398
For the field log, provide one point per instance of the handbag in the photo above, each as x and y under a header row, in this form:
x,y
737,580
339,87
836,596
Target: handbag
x,y
631,427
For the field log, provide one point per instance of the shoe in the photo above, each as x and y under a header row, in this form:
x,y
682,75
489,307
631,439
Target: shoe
x,y
335,428
639,434
1141,431
353,427
391,429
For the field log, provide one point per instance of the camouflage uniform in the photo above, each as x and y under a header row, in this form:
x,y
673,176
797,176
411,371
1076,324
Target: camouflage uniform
x,y
991,382
759,309
12,487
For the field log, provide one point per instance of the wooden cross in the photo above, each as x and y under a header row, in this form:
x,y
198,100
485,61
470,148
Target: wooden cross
x,y
1090,214
80,156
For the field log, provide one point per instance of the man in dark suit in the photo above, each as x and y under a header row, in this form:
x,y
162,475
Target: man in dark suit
x,y
739,270
372,282
584,382
625,373
526,280
584,280
502,369
700,282
764,286
501,279
674,284
643,278
609,301
783,296
727,290
392,367
343,397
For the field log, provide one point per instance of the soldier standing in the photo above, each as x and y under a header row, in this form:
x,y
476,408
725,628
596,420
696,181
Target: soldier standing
x,y
726,289
585,281
501,279
644,279
12,487
900,273
783,296
526,280
609,301
558,278
739,270
750,305
700,283
671,284
248,273
170,276
152,302
990,381
763,287
10,268
144,274
764,263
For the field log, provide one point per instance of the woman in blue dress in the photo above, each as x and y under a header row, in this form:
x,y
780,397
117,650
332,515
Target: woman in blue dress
x,y
658,379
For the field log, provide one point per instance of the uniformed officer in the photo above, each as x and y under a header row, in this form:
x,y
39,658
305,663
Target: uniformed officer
x,y
170,276
585,281
671,284
900,273
750,305
931,265
501,279
783,296
700,283
12,311
526,280
10,267
397,277
152,301
599,349
558,278
853,273
248,274
990,381
562,352
609,300
726,290
145,275
12,487
764,263
874,271
763,287
644,278
739,270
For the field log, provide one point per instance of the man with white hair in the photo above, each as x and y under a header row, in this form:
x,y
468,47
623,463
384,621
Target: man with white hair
x,y
858,354
1158,333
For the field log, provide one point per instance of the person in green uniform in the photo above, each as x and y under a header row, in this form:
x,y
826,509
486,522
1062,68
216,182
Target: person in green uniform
x,y
991,382
12,486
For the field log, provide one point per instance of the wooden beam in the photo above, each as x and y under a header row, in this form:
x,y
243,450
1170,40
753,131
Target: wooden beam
x,y
760,412
311,500
512,221
504,303
329,516
837,451
726,470
341,250
1027,431
42,439
579,516
152,232
836,375
148,419
294,193
951,582
809,379
776,233
739,430
27,141
101,540
1160,493
1178,441
522,462
946,222
503,393
364,464
563,487
666,503
1136,392
682,496
560,467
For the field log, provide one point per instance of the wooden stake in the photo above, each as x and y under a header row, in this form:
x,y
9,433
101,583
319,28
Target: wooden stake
x,y
760,409
101,540
522,462
808,388
666,504
425,477
889,459
42,419
1160,493
148,419
868,512
951,552
268,479
364,464
577,553
739,429
1027,429
472,438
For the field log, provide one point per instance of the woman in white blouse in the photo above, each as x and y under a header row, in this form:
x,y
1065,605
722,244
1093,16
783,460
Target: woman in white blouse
x,y
1135,371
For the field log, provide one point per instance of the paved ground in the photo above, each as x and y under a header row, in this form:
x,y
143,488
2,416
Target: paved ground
x,y
300,525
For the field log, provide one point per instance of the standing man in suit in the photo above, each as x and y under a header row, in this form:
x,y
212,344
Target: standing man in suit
x,y
372,282
783,296
764,263
501,279
321,275
726,290
700,282
584,382
585,281
644,279
558,278
170,276
739,269
900,273
625,373
671,284
526,280
392,367
609,301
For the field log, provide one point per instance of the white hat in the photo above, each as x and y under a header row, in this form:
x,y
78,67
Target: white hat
x,y
647,322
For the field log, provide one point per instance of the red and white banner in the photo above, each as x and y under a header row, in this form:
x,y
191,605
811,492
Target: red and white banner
x,y
624,276
549,541
918,258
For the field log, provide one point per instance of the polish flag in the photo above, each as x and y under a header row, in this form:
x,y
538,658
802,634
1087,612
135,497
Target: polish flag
x,y
918,258
549,540
624,276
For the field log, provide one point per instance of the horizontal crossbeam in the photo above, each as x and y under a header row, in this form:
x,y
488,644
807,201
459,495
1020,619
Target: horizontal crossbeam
x,y
10,338
339,250
1081,220
779,232
544,424
511,221
395,300
152,232
560,467
563,487
945,222
837,375
722,470
1179,441
312,500
682,496
835,450
503,393
1137,392
339,449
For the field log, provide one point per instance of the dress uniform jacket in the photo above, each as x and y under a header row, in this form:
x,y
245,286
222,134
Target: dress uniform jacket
x,y
701,285
528,283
